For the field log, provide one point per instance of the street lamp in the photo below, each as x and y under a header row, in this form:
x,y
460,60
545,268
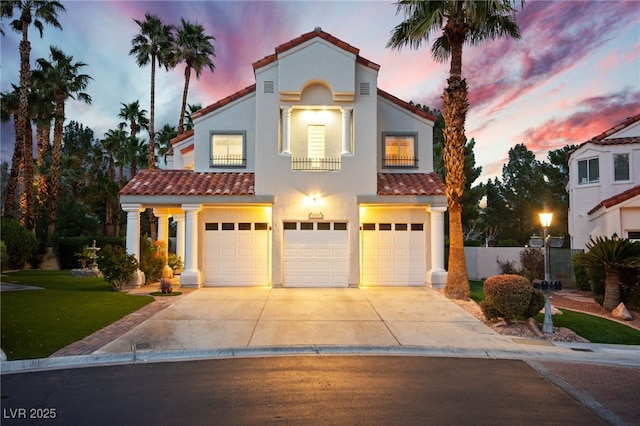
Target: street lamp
x,y
547,325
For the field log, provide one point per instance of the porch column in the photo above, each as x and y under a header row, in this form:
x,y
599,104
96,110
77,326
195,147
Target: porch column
x,y
437,275
286,129
179,220
191,276
163,235
346,130
133,240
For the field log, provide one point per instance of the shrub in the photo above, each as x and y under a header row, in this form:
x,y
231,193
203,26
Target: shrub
x,y
535,304
507,267
152,260
21,245
174,261
508,243
165,286
116,265
472,243
580,273
4,255
509,295
532,261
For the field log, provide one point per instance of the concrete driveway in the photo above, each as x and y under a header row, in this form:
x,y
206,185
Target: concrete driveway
x,y
254,317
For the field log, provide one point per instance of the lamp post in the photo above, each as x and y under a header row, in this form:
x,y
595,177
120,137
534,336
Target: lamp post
x,y
547,325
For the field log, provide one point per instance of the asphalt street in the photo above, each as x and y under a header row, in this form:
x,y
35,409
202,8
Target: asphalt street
x,y
368,390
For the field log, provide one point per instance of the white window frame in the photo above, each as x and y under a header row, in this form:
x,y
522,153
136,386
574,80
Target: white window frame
x,y
410,162
228,159
615,169
586,179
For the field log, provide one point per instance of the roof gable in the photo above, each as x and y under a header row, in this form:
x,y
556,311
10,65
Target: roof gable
x,y
317,32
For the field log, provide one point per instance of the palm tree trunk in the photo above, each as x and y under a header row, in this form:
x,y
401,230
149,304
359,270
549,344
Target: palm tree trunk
x,y
54,188
611,290
42,136
183,110
17,162
152,113
26,200
455,107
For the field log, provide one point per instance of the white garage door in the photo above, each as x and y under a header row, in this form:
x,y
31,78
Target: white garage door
x,y
393,254
316,254
237,254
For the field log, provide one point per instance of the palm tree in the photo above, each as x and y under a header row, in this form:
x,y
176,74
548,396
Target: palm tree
x,y
165,135
612,255
63,81
188,121
36,13
193,47
459,22
152,45
9,108
42,114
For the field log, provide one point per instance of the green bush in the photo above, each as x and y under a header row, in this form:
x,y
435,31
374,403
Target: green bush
x,y
175,262
22,245
509,295
508,243
116,265
69,246
4,256
472,243
580,273
535,304
151,261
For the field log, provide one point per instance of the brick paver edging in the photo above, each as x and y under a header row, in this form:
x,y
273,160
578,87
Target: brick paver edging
x,y
105,335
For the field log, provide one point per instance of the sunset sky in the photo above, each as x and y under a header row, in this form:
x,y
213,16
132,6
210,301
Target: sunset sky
x,y
574,74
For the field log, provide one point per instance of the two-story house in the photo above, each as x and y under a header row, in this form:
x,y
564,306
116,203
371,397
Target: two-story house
x,y
313,176
604,185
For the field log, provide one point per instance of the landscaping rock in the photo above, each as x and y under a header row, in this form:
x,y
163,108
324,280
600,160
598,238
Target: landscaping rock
x,y
570,335
621,312
554,311
533,325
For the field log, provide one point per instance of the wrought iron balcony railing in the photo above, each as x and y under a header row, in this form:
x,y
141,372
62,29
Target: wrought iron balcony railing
x,y
400,162
315,164
228,161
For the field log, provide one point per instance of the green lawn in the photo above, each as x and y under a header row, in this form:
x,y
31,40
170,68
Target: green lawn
x,y
36,323
593,328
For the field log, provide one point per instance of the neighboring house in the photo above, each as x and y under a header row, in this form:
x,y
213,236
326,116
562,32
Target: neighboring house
x,y
604,185
313,176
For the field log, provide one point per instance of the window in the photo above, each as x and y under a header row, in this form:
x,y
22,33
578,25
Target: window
x,y
400,150
228,149
315,147
588,171
621,167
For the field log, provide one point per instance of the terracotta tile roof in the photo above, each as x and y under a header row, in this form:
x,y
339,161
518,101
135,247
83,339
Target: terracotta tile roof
x,y
180,138
617,199
187,182
406,105
222,102
615,129
616,141
308,36
410,184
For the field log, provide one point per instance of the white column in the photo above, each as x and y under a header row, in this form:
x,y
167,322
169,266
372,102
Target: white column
x,y
179,219
191,276
133,239
437,276
163,235
346,130
286,129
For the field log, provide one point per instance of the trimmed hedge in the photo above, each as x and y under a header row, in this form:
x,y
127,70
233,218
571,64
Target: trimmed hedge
x,y
69,246
510,296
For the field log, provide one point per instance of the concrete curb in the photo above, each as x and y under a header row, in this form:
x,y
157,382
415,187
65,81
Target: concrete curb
x,y
622,357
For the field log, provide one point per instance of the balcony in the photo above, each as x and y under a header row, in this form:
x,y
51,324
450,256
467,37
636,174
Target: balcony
x,y
393,161
315,164
228,161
